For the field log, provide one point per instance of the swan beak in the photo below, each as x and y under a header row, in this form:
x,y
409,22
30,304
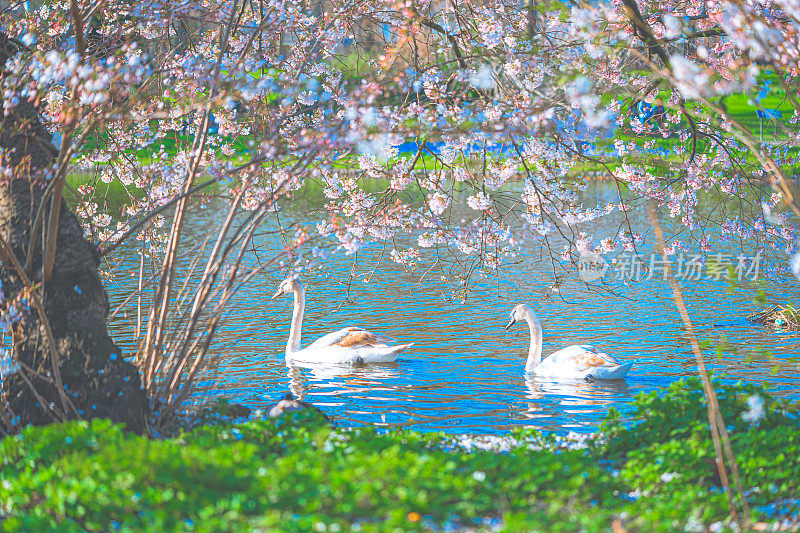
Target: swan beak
x,y
280,291
513,321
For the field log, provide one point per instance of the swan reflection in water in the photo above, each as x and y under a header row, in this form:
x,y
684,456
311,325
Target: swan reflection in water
x,y
337,386
334,380
555,398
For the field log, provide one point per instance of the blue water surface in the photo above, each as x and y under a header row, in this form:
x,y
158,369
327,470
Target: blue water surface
x,y
465,373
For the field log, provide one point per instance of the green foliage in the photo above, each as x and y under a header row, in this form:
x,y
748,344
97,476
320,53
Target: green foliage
x,y
298,473
671,436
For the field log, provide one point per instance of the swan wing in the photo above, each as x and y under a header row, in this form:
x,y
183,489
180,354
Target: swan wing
x,y
585,355
596,359
350,337
581,361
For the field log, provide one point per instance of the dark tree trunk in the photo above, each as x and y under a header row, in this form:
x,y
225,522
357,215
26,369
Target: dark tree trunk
x,y
97,381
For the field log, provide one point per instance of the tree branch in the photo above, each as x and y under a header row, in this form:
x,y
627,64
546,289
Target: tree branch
x,y
453,41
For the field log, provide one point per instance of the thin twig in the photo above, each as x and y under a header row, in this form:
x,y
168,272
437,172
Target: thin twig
x,y
719,432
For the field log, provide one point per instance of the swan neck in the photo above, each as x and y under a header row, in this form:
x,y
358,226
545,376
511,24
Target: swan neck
x,y
535,352
293,344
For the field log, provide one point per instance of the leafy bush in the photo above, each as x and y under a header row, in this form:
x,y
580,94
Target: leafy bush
x,y
299,474
671,436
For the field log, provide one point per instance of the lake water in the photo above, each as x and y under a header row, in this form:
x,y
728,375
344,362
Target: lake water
x,y
465,373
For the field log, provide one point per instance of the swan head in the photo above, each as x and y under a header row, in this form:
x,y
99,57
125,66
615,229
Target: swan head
x,y
518,314
288,286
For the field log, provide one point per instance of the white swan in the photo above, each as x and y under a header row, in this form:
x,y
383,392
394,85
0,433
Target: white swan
x,y
348,345
573,362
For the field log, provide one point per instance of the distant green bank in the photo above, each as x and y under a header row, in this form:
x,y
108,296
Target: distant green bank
x,y
299,474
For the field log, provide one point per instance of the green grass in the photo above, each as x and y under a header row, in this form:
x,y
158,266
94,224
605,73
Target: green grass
x,y
299,474
114,189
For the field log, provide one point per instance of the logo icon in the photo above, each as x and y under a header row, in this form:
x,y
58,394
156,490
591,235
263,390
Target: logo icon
x,y
591,267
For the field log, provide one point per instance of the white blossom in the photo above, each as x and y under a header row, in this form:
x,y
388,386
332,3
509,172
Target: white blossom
x,y
483,78
794,263
755,409
690,78
479,202
438,203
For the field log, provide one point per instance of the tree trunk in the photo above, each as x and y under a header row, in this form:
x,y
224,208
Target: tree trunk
x,y
96,379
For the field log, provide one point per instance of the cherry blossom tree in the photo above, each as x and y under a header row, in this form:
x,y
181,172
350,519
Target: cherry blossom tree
x,y
467,128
